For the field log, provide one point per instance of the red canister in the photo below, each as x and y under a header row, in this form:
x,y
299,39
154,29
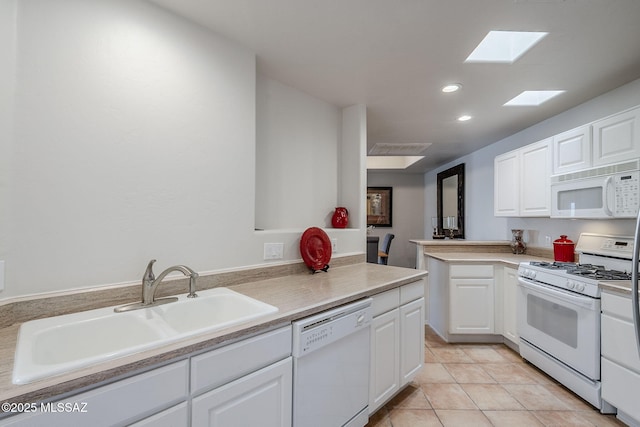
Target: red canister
x,y
563,249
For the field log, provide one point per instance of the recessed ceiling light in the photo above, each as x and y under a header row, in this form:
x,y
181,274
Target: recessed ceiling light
x,y
453,87
504,46
464,118
533,97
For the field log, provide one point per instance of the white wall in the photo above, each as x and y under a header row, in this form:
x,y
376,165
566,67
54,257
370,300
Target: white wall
x,y
480,222
132,136
407,216
297,138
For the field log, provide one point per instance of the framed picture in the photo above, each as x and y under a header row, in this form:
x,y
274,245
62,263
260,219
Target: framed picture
x,y
379,203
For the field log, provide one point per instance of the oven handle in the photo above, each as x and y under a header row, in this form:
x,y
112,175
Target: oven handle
x,y
586,302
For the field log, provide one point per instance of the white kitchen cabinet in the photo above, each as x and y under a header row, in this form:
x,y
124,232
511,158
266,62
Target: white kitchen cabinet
x,y
620,362
506,184
521,181
509,297
572,150
411,340
119,403
384,380
535,172
471,296
246,383
616,138
262,398
177,416
397,341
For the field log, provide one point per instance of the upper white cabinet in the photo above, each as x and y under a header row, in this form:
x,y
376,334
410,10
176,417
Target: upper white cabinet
x,y
521,181
616,138
572,150
535,172
506,184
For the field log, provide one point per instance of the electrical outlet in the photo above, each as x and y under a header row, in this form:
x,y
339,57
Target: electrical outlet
x,y
273,251
334,245
547,240
1,276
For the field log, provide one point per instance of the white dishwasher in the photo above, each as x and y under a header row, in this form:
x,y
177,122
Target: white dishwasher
x,y
331,367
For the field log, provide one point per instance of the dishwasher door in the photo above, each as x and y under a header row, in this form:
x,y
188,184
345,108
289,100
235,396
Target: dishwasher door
x,y
331,367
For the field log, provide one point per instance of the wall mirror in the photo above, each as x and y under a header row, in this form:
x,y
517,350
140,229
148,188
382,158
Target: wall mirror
x,y
450,196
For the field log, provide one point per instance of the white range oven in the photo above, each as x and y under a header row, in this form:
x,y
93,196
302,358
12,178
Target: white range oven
x,y
559,312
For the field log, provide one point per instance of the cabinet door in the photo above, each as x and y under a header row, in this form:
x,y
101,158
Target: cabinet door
x,y
616,138
178,416
572,150
263,398
385,358
471,309
509,293
506,184
411,340
535,171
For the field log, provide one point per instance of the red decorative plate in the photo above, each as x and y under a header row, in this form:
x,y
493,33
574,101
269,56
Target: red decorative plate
x,y
315,248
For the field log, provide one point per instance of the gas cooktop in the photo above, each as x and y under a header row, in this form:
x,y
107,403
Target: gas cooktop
x,y
589,271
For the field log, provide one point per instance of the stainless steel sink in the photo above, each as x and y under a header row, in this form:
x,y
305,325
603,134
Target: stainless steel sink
x,y
55,345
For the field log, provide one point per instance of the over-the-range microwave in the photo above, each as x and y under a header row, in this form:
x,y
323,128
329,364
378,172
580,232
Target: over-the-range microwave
x,y
604,192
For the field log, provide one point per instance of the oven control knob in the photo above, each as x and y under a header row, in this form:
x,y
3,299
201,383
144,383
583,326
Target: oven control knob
x,y
580,287
571,284
533,274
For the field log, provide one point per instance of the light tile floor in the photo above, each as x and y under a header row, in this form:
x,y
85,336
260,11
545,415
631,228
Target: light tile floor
x,y
484,385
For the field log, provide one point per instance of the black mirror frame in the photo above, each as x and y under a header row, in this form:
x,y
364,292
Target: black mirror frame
x,y
456,170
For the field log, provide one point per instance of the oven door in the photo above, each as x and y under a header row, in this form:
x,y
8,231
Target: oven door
x,y
563,324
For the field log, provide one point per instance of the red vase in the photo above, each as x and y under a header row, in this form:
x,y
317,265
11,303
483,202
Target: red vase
x,y
340,218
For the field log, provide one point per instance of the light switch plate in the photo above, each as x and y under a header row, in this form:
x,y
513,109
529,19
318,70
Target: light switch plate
x,y
334,245
273,251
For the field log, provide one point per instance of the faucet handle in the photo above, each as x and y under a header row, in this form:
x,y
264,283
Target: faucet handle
x,y
148,273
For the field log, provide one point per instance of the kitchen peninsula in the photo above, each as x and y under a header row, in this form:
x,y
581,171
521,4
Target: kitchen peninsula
x,y
471,288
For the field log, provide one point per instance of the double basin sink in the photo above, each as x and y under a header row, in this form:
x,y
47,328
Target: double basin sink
x,y
59,344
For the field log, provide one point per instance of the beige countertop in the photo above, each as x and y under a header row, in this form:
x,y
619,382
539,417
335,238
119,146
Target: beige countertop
x,y
509,259
619,286
296,296
457,242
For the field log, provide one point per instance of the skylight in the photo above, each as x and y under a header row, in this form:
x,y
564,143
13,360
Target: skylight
x,y
391,162
504,46
533,97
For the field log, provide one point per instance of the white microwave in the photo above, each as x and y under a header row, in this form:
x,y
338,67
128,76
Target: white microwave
x,y
602,192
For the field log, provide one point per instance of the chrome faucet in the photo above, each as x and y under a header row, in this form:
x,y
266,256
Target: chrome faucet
x,y
150,284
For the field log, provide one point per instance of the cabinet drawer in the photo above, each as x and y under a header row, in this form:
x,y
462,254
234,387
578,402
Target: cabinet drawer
x,y
411,292
471,271
617,306
218,367
620,388
385,301
119,403
619,342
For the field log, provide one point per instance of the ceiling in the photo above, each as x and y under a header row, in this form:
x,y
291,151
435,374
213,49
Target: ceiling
x,y
395,55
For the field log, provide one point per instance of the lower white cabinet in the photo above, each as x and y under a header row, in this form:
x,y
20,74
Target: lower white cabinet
x,y
471,299
397,341
119,403
509,303
620,363
262,398
177,416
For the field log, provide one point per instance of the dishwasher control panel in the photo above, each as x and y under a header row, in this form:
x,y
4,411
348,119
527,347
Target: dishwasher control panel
x,y
327,327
